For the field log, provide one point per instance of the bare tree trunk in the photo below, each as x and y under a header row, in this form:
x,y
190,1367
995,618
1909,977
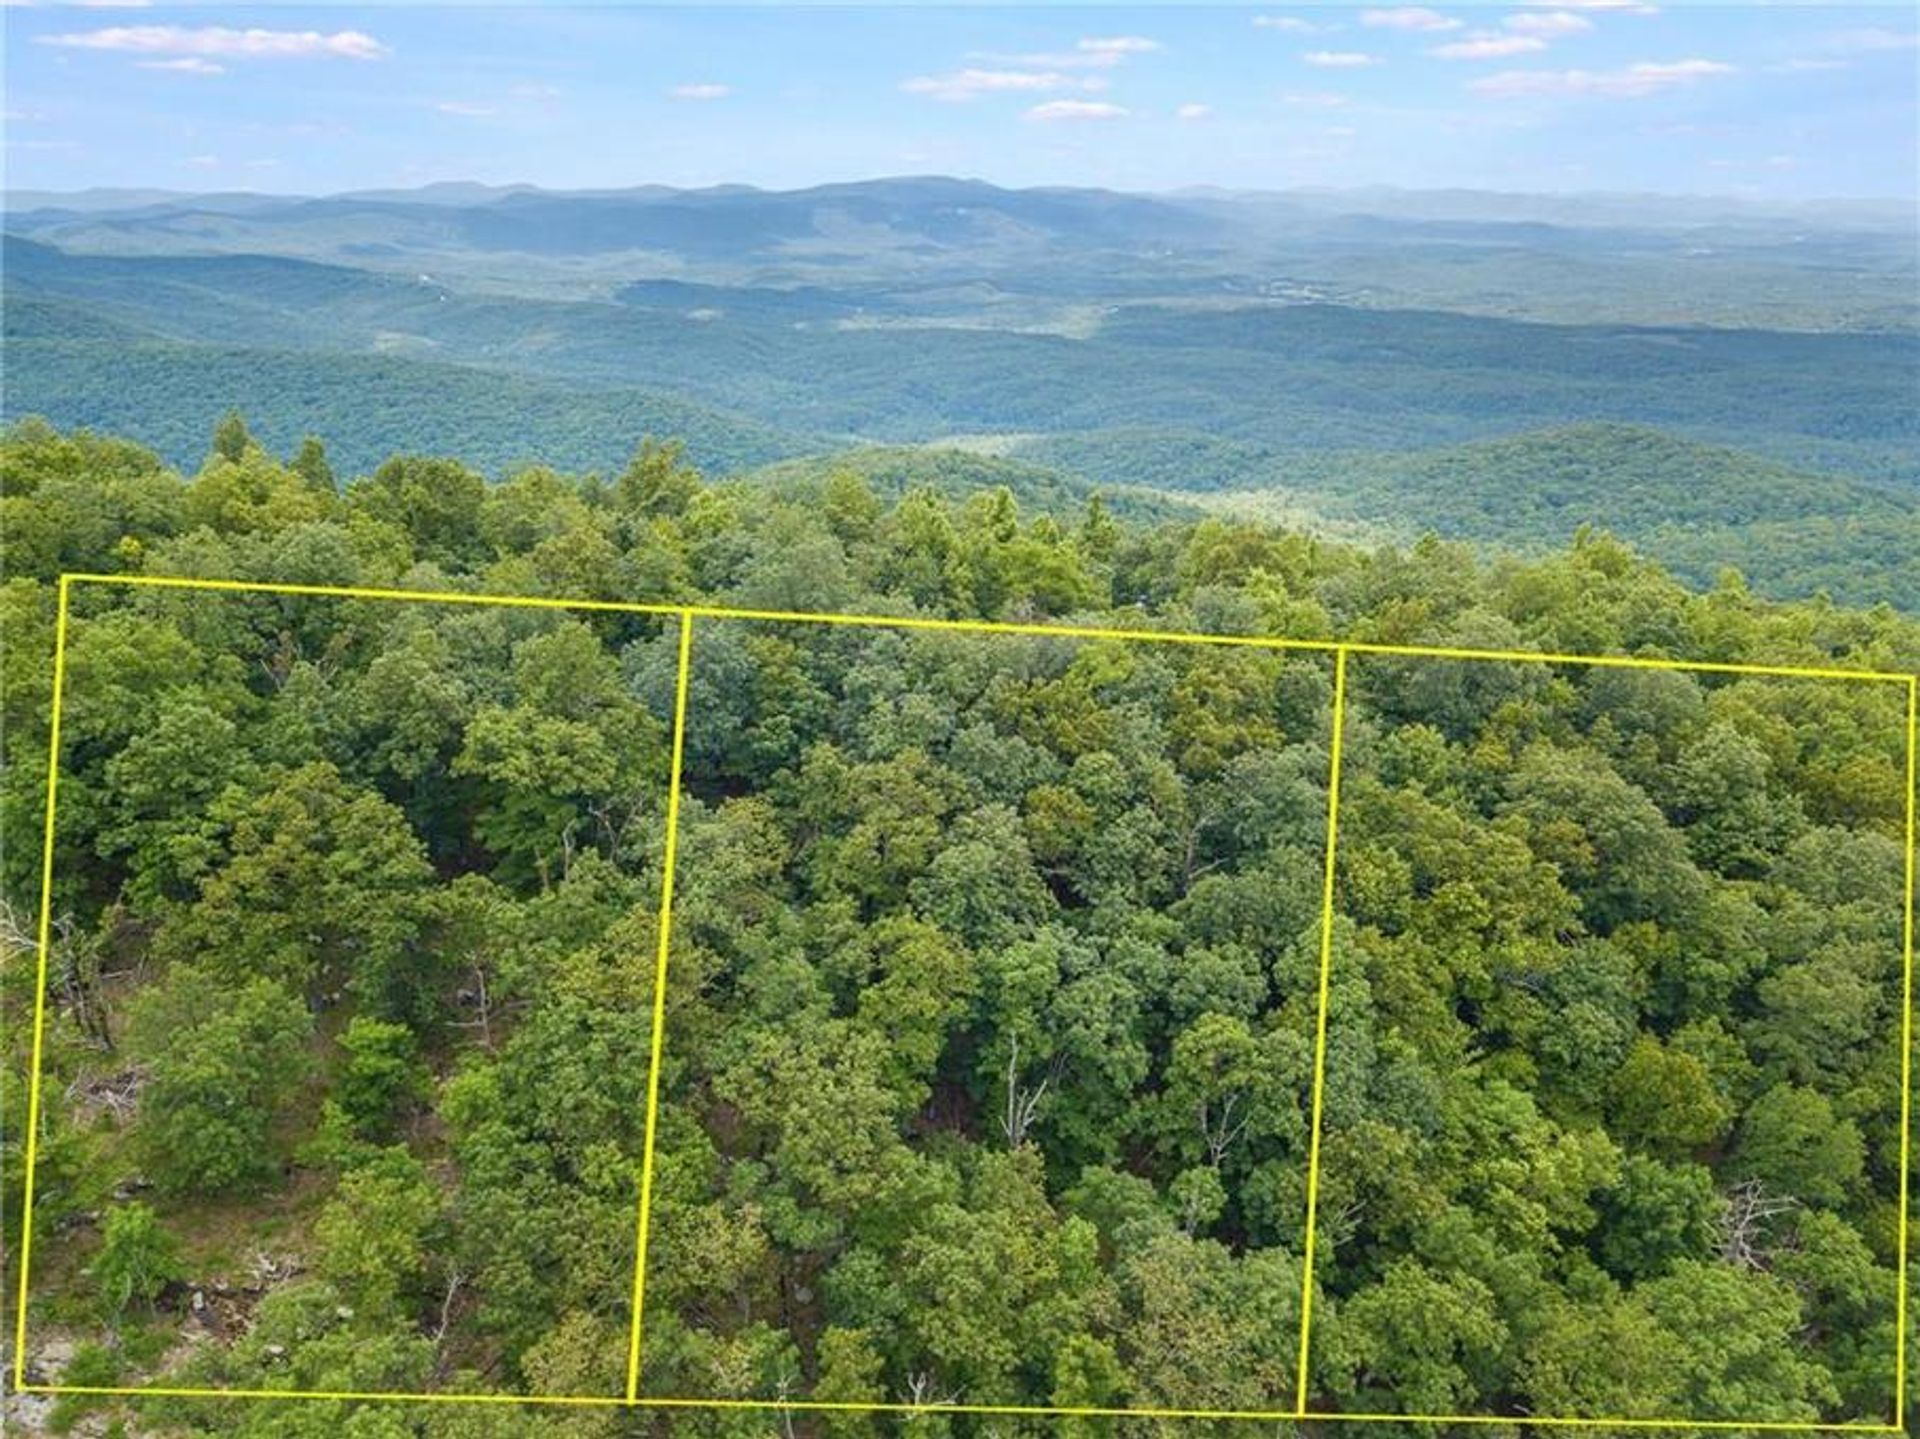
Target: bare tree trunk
x,y
1220,1133
1023,1104
1743,1223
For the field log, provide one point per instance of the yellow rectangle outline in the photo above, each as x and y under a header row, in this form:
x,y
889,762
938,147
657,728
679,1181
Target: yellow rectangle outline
x,y
686,614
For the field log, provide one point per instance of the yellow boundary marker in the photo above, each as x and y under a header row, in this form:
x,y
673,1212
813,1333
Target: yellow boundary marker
x,y
1906,1051
659,1003
833,1406
1320,1024
40,987
686,613
827,1406
992,627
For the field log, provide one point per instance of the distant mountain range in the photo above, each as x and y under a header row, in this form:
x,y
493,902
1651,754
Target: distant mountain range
x,y
1574,207
1714,379
1453,248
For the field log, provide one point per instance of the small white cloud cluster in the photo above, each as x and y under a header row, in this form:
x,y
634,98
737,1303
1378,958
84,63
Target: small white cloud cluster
x,y
1632,82
1038,74
1525,33
1076,110
1289,24
211,42
1490,47
185,65
1408,17
1549,24
970,84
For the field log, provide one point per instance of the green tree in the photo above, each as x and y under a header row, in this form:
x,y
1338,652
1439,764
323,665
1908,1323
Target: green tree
x,y
315,883
224,1058
435,502
137,1259
381,1073
1419,1341
374,1238
231,441
310,464
1664,1100
1791,1138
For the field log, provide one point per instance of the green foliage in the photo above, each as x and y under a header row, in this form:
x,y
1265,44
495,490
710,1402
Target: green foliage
x,y
374,1237
1700,508
225,1057
230,438
380,1074
137,1260
312,883
1664,1100
994,981
1792,1139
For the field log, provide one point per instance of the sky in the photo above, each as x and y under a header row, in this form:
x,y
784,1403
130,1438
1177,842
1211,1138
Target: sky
x,y
1775,102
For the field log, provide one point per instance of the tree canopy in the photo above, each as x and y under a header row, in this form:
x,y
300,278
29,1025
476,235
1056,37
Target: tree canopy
x,y
993,982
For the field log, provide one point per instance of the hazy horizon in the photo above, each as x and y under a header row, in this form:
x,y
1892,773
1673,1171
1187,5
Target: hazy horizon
x,y
502,187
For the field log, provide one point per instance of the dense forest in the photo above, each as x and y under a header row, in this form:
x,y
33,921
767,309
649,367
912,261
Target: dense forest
x,y
1697,508
987,1073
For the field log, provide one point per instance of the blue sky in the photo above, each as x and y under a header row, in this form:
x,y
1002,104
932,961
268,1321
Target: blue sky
x,y
1775,101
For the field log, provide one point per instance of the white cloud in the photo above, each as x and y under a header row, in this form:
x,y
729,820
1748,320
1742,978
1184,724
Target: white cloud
x,y
536,92
464,108
219,40
1117,45
1315,99
1194,112
1624,7
1339,59
202,162
1092,52
1076,110
1292,24
186,65
1339,132
970,84
1408,17
1549,24
1798,64
1646,78
1870,39
1489,47
700,90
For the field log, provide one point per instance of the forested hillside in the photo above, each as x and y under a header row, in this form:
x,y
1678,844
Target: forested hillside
x,y
1717,382
1697,508
993,989
160,391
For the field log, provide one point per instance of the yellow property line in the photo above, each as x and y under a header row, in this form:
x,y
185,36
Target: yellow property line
x,y
40,989
686,613
659,1002
995,627
1906,1051
1320,1033
830,1406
